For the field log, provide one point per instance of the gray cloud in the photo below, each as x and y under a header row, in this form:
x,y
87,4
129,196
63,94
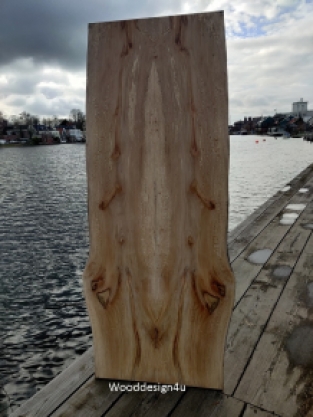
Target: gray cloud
x,y
43,51
55,32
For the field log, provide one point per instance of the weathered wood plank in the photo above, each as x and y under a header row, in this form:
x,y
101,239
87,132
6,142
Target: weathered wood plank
x,y
257,412
253,311
269,238
93,399
158,283
250,228
47,400
279,377
204,403
145,404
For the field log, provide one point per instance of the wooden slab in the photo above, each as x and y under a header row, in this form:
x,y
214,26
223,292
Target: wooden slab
x,y
158,283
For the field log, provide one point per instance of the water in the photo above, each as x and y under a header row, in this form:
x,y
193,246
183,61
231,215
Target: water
x,y
44,247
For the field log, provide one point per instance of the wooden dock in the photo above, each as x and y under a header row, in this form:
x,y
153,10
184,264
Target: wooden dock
x,y
269,356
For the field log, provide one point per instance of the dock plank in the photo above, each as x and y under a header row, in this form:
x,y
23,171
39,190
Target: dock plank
x,y
269,238
245,232
257,412
254,310
93,399
280,374
265,212
145,404
47,400
206,403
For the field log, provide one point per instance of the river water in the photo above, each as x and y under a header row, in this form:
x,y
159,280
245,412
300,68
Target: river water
x,y
44,247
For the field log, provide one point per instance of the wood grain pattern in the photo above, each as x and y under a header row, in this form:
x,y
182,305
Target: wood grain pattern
x,y
158,284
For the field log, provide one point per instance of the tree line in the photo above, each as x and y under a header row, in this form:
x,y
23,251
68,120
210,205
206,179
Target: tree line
x,y
76,116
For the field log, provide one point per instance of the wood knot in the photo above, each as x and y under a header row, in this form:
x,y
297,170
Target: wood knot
x,y
211,302
104,297
105,203
194,150
156,337
116,153
190,241
210,205
96,283
121,240
218,288
193,186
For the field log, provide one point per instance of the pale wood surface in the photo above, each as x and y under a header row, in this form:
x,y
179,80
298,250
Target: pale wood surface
x,y
258,374
158,283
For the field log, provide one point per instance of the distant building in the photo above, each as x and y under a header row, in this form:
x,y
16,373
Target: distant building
x,y
300,109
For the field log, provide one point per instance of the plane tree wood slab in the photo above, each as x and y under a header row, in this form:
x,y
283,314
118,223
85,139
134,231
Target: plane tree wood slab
x,y
158,283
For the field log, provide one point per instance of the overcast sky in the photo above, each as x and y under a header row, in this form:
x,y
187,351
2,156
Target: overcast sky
x,y
43,51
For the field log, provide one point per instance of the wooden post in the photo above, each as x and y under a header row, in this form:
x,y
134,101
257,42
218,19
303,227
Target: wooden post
x,y
158,284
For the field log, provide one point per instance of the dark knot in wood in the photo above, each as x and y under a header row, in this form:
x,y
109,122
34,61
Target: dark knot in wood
x,y
104,297
211,302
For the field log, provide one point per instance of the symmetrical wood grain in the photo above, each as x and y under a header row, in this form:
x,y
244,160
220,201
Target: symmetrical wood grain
x,y
158,284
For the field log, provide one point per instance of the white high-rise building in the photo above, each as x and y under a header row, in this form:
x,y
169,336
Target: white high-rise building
x,y
300,108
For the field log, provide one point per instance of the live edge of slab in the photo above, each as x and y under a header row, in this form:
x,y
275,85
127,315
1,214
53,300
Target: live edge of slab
x,y
269,355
